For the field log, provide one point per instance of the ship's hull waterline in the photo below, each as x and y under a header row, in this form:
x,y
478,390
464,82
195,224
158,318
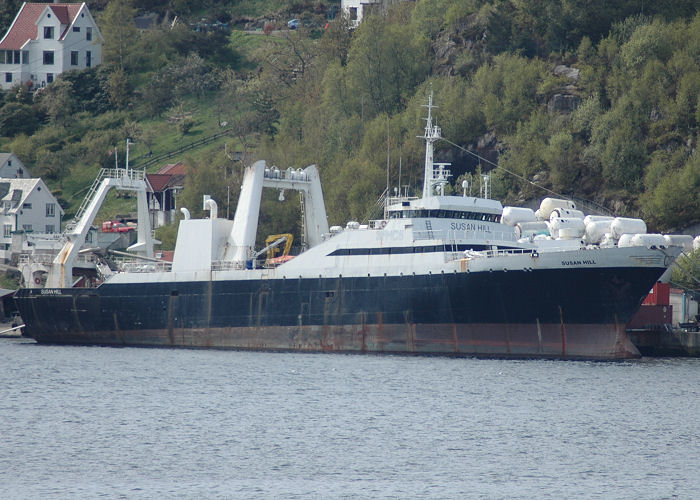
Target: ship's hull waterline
x,y
554,313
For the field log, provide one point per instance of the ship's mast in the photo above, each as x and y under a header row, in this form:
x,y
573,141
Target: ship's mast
x,y
431,134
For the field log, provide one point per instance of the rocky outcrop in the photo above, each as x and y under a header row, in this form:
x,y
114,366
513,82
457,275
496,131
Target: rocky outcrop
x,y
572,74
563,103
566,99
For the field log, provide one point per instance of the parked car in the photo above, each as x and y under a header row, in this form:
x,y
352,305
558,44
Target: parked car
x,y
113,226
293,24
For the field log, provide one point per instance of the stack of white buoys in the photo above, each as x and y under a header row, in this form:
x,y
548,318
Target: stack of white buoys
x,y
624,225
566,228
597,226
514,215
531,229
596,218
565,222
607,241
566,213
548,205
648,240
685,241
625,240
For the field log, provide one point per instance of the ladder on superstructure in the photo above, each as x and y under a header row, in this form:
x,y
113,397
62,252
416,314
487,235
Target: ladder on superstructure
x,y
303,221
86,201
131,174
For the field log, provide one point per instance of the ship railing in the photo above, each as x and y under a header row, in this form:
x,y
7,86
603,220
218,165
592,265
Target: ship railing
x,y
485,235
453,236
87,258
141,266
45,258
41,237
123,173
225,265
503,252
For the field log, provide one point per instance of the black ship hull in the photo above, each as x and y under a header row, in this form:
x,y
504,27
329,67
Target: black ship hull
x,y
558,313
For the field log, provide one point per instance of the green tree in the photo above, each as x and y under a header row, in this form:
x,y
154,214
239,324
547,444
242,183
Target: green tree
x,y
686,271
336,40
118,88
53,165
89,88
16,118
57,101
385,64
561,156
157,94
673,200
119,31
8,11
508,89
525,155
212,174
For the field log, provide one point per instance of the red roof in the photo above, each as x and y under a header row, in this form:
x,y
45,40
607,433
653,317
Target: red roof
x,y
167,255
170,176
158,181
173,169
24,26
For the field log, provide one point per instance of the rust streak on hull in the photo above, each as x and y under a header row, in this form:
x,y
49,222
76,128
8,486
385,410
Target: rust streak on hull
x,y
484,340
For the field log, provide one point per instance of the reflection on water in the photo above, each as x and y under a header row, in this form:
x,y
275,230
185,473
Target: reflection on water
x,y
148,423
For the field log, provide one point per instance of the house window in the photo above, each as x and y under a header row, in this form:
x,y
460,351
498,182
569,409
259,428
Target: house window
x,y
73,57
48,57
27,205
9,163
27,227
88,58
17,55
8,206
50,228
2,57
76,29
353,13
48,32
88,33
25,57
49,77
50,210
7,230
8,77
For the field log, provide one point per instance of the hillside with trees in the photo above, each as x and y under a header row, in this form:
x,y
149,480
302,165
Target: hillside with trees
x,y
589,99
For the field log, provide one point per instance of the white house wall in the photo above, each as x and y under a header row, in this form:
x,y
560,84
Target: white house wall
x,y
34,217
10,168
77,41
358,6
356,10
36,65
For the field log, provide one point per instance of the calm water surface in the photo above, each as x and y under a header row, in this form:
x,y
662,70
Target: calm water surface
x,y
80,422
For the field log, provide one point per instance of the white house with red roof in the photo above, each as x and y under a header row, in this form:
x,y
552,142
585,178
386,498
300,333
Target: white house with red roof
x,y
45,40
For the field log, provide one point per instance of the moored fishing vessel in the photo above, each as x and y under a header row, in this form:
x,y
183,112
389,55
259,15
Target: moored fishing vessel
x,y
452,275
